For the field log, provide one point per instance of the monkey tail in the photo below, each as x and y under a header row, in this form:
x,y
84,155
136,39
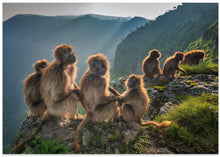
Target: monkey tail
x,y
76,144
162,125
20,146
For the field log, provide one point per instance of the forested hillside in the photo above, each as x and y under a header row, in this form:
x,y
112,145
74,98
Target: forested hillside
x,y
169,33
208,42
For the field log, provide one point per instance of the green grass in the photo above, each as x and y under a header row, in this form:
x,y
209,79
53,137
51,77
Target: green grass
x,y
48,146
51,147
116,136
203,68
195,123
139,144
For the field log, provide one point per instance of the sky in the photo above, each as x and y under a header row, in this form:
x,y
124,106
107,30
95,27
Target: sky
x,y
146,10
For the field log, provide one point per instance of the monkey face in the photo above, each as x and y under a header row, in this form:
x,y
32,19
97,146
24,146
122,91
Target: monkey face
x,y
99,67
68,56
154,53
40,65
179,56
133,81
98,64
65,54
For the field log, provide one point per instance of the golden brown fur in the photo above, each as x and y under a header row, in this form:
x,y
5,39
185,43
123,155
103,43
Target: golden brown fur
x,y
135,102
94,94
151,64
57,85
32,94
171,65
56,89
193,57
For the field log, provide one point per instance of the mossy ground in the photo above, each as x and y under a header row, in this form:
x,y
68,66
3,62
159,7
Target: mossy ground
x,y
195,124
47,146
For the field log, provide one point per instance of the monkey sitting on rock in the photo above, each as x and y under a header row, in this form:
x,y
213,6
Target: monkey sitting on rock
x,y
58,83
193,57
171,65
135,102
151,64
57,88
32,94
95,96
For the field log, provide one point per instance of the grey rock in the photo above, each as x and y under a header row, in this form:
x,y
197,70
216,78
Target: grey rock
x,y
129,135
28,150
69,146
116,151
108,150
164,150
86,138
166,107
135,126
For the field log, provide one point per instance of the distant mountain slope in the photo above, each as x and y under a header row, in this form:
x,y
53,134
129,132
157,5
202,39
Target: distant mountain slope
x,y
27,38
170,32
208,42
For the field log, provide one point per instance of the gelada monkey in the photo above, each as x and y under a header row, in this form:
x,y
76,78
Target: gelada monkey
x,y
135,102
151,64
94,94
57,88
193,57
57,83
171,65
31,91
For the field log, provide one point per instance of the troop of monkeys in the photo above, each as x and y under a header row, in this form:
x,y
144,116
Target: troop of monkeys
x,y
52,89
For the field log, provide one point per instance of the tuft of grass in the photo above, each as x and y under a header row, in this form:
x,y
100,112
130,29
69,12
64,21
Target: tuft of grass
x,y
181,98
48,146
139,145
116,136
195,122
122,148
203,68
96,139
51,147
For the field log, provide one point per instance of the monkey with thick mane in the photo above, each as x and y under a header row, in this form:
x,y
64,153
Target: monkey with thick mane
x,y
151,64
57,82
171,65
193,57
57,88
31,91
94,94
135,102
